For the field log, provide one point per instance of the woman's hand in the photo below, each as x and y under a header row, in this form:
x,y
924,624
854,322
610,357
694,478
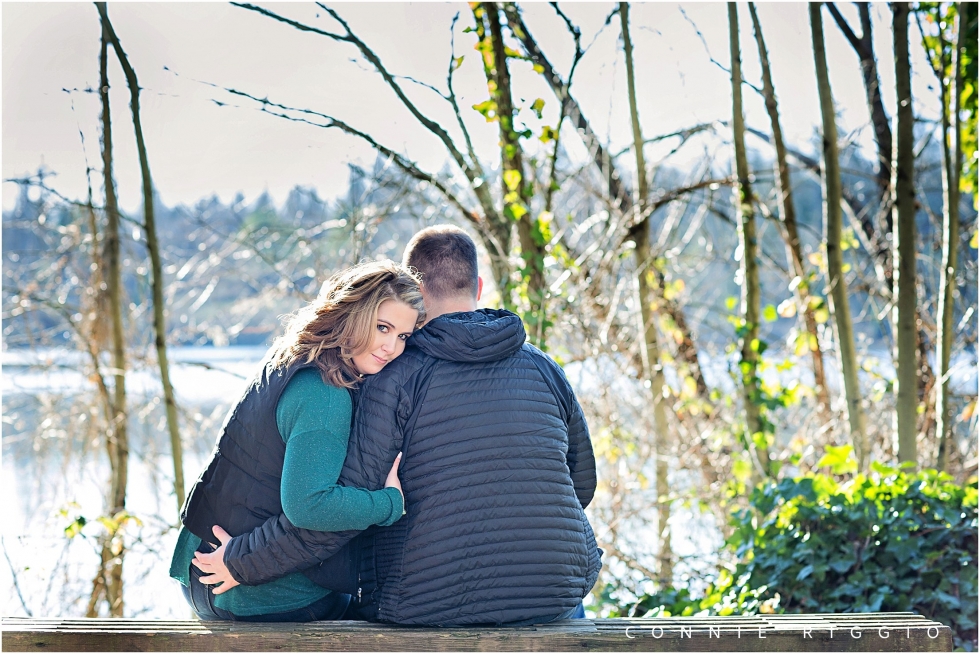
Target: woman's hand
x,y
392,481
214,564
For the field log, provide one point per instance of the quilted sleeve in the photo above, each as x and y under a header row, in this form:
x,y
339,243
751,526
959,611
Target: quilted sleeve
x,y
277,547
580,458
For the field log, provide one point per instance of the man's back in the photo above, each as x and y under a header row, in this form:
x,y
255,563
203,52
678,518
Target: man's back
x,y
497,470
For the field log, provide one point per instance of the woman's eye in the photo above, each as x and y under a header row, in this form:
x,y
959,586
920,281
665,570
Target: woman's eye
x,y
404,337
383,329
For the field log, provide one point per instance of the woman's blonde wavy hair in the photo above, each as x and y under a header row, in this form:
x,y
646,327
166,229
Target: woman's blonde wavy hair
x,y
340,322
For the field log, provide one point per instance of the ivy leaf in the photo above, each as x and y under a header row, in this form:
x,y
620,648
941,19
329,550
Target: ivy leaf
x,y
488,108
515,211
512,178
838,458
548,133
75,528
537,106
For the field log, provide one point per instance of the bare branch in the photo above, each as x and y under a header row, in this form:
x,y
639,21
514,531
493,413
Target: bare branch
x,y
666,197
476,180
684,134
856,42
707,51
408,166
411,79
618,191
451,97
37,181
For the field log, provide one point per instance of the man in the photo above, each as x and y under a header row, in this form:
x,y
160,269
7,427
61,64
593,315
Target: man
x,y
497,463
497,468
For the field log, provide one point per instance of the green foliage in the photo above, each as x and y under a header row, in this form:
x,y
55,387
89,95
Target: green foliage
x,y
893,540
724,597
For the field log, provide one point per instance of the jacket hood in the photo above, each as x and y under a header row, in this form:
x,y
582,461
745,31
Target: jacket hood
x,y
474,336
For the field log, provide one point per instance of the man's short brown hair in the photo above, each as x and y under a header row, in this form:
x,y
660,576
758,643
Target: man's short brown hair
x,y
445,256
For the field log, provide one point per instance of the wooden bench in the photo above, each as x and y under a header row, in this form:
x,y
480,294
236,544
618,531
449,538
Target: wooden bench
x,y
848,632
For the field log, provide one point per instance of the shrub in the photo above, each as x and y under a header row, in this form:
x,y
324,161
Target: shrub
x,y
892,540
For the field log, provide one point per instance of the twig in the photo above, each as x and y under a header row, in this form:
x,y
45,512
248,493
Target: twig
x,y
13,574
707,51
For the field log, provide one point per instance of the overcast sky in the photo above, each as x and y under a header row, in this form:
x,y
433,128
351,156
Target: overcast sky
x,y
198,148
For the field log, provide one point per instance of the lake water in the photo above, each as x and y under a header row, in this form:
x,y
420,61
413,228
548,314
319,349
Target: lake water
x,y
51,478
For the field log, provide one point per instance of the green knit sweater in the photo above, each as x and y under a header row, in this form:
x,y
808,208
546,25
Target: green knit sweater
x,y
314,421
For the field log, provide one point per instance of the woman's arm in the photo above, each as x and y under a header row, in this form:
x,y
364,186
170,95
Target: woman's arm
x,y
314,421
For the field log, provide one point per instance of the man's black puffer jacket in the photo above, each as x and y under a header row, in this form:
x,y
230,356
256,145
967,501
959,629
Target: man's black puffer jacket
x,y
496,473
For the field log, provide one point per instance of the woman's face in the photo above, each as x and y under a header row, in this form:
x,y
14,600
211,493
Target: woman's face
x,y
395,323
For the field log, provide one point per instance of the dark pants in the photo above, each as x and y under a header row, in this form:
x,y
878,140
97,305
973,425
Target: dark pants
x,y
201,599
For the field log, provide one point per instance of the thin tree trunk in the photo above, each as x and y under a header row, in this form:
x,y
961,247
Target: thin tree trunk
x,y
153,245
756,437
794,252
877,235
863,46
839,304
516,185
907,399
951,220
117,442
653,368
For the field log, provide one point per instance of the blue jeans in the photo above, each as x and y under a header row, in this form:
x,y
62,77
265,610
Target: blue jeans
x,y
201,598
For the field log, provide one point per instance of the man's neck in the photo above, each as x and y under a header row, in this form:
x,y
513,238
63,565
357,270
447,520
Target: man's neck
x,y
435,308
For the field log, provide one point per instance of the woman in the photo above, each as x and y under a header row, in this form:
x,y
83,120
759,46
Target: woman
x,y
282,446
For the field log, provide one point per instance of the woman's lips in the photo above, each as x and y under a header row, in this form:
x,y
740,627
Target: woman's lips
x,y
380,361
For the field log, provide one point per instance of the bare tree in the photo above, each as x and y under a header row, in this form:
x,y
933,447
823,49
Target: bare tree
x,y
863,46
618,193
153,246
108,580
756,436
493,229
794,251
515,182
904,312
946,62
652,364
839,304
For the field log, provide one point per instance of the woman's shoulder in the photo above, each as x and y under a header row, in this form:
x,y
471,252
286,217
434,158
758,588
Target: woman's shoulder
x,y
309,383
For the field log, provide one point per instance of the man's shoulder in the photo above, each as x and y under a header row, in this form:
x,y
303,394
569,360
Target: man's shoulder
x,y
397,373
540,357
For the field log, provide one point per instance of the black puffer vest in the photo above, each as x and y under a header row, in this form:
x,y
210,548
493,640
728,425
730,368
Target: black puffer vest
x,y
240,489
498,468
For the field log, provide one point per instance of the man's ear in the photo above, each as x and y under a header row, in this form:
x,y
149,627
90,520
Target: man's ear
x,y
479,287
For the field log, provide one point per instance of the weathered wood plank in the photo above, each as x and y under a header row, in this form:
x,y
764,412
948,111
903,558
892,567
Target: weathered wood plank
x,y
849,632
